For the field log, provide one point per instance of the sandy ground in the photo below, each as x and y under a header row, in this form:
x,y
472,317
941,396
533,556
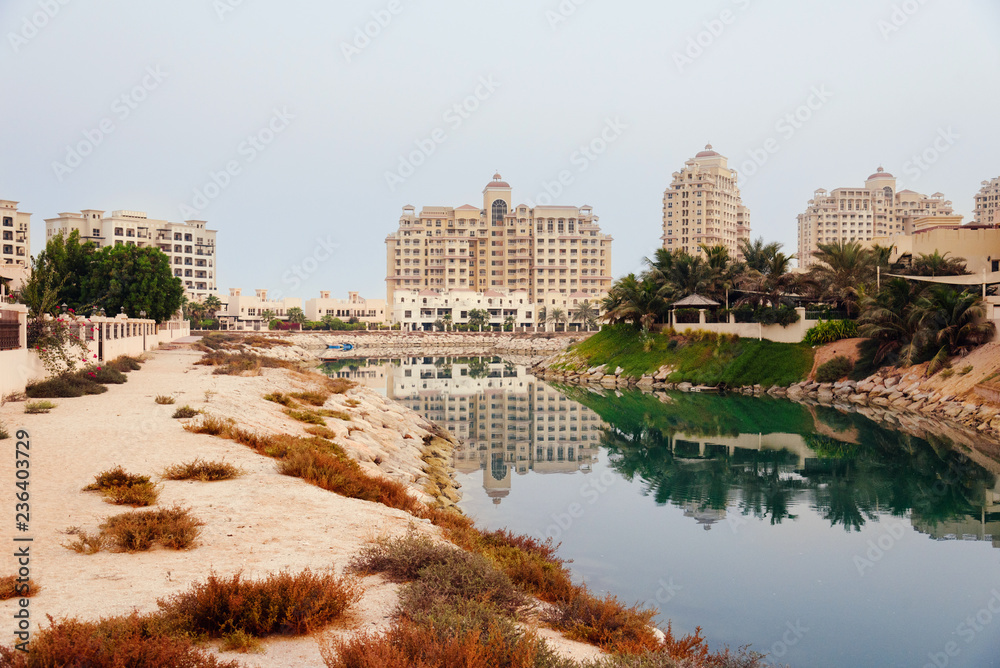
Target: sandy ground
x,y
257,524
846,347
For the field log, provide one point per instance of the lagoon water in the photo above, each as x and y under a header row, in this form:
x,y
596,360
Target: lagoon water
x,y
816,536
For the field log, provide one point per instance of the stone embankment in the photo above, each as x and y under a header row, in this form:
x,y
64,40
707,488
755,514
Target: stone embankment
x,y
395,344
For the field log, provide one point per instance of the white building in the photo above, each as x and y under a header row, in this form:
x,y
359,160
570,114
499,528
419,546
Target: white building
x,y
190,246
355,306
988,203
241,312
420,309
15,238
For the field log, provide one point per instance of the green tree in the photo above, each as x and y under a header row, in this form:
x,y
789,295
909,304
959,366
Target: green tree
x,y
936,264
58,275
478,318
889,318
296,315
212,305
954,320
134,279
844,268
557,316
586,313
758,255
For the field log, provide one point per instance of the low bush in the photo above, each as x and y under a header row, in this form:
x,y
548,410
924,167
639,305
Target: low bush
x,y
309,417
312,398
234,364
282,603
13,587
279,398
106,375
461,576
124,364
966,370
211,425
241,641
136,531
834,370
139,641
322,432
401,559
85,543
606,622
64,386
123,488
202,470
824,332
36,407
185,411
164,400
338,385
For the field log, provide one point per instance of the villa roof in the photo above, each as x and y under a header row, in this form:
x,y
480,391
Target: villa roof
x,y
429,293
696,300
467,206
579,295
494,293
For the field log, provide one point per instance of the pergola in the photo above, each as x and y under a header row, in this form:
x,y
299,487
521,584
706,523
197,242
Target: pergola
x,y
691,301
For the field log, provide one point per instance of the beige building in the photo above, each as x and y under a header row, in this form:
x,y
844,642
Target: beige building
x,y
988,203
421,309
548,251
190,246
978,245
703,206
15,236
355,306
241,312
861,214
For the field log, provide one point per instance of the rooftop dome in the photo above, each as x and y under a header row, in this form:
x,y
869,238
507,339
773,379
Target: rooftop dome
x,y
881,174
498,182
708,153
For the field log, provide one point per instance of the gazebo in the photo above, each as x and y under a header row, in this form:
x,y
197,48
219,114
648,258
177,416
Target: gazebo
x,y
696,301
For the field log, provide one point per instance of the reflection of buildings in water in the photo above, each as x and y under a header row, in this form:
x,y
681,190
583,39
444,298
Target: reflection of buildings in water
x,y
369,373
704,516
698,447
507,420
986,527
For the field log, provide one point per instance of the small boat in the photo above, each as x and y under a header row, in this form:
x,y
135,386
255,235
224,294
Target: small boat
x,y
340,346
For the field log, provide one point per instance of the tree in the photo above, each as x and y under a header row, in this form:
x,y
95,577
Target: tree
x,y
936,264
556,316
57,276
954,320
296,315
267,315
586,313
843,267
478,318
757,255
889,318
133,279
212,305
634,301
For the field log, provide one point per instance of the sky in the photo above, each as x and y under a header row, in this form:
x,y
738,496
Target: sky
x,y
300,129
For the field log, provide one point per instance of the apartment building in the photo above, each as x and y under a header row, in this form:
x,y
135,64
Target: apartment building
x,y
15,236
988,203
703,205
241,312
355,306
860,214
420,309
190,246
547,251
506,420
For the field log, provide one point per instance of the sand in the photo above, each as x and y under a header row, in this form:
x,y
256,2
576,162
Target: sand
x,y
260,523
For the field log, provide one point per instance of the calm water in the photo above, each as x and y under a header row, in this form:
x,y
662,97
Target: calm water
x,y
816,536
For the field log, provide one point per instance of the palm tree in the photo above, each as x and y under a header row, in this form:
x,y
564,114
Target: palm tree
x,y
634,301
889,318
542,317
954,320
212,305
296,315
267,315
937,264
842,267
757,254
586,313
556,316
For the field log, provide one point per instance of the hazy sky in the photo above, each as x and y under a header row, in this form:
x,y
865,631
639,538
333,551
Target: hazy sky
x,y
309,115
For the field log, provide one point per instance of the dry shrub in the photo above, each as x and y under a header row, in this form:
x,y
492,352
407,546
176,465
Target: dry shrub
x,y
137,641
309,417
36,407
85,543
353,403
312,398
234,364
337,385
12,587
279,398
164,400
323,432
202,470
124,364
64,386
241,641
139,530
124,489
282,603
107,375
463,576
606,622
338,473
222,341
212,425
401,559
185,411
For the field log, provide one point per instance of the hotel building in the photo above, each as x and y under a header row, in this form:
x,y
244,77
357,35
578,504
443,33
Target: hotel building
x,y
703,206
547,251
355,306
190,246
988,203
861,214
15,230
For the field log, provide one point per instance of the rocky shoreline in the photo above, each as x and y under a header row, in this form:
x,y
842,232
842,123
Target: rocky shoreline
x,y
891,395
397,344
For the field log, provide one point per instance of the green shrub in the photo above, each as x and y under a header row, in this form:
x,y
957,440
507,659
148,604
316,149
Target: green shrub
x,y
124,489
35,407
202,470
834,370
65,385
185,411
829,331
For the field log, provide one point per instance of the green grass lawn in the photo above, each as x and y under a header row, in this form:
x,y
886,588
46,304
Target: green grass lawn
x,y
710,362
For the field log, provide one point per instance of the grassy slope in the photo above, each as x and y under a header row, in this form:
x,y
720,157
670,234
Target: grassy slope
x,y
739,363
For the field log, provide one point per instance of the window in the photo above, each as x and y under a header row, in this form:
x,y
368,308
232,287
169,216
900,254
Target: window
x,y
499,211
119,231
8,221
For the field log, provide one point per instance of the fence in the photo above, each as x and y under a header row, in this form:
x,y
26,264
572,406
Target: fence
x,y
792,333
10,330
